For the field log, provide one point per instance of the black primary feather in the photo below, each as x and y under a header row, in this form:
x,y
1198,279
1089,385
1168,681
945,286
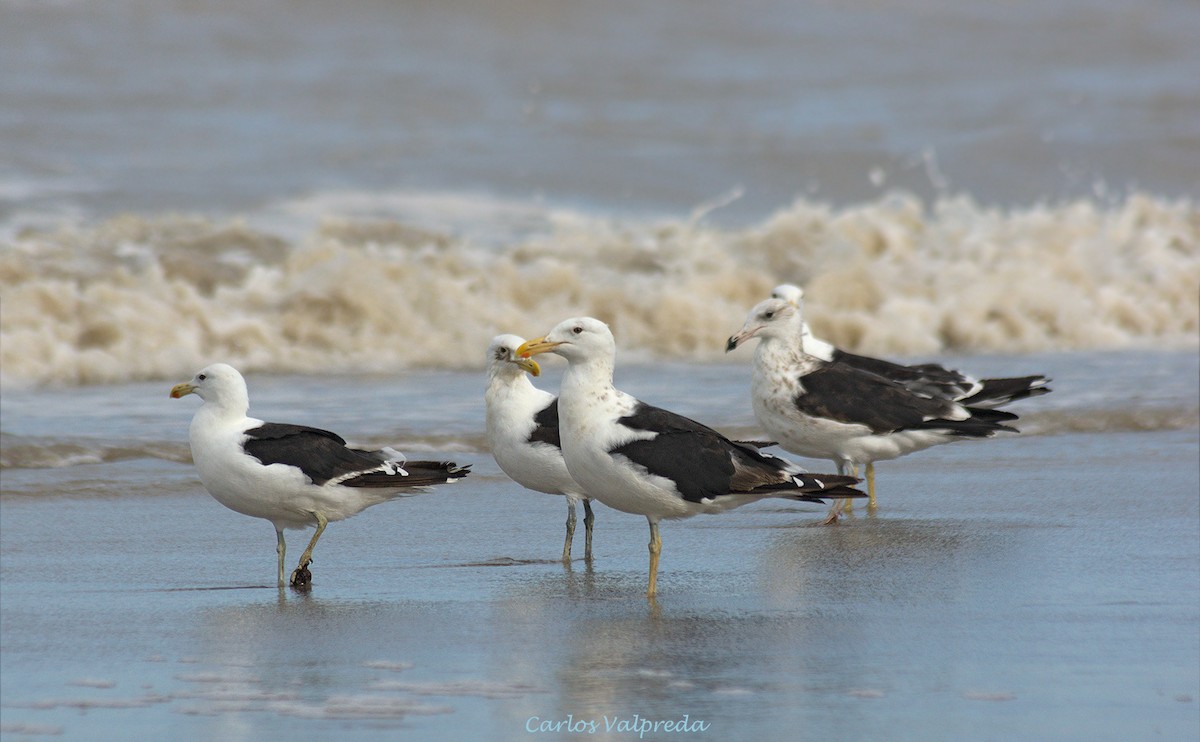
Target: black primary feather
x,y
420,474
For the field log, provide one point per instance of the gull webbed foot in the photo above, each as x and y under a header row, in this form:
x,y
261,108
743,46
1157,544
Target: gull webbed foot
x,y
302,577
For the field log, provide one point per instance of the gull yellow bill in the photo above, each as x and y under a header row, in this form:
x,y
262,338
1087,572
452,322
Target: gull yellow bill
x,y
536,346
530,365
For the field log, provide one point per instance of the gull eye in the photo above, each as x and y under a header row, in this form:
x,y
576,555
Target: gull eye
x,y
769,315
578,330
202,377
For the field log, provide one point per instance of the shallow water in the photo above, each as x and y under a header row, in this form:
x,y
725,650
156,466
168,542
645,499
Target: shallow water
x,y
1041,585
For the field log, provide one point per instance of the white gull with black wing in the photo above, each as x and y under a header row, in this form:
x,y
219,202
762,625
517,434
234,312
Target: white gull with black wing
x,y
649,461
291,475
523,433
831,410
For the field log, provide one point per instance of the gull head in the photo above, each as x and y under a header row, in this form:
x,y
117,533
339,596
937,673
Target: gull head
x,y
214,383
576,339
770,318
503,357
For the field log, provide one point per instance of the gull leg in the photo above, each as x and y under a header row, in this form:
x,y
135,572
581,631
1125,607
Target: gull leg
x,y
655,550
848,504
281,550
589,520
836,509
566,555
872,504
301,577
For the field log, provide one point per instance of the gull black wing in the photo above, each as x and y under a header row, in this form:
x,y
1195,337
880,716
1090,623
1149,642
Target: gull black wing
x,y
320,454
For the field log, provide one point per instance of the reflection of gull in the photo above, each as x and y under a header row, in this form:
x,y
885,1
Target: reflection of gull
x,y
291,475
522,431
692,654
652,462
834,411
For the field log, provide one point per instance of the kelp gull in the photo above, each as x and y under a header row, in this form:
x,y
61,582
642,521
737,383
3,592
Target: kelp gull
x,y
292,475
645,460
835,411
522,431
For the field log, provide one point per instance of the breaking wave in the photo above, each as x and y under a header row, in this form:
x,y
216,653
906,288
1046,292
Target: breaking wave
x,y
139,297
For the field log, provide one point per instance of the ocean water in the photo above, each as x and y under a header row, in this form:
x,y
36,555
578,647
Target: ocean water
x,y
1037,585
348,201
622,106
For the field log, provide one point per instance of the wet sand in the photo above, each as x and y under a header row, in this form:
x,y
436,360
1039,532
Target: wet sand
x,y
1036,587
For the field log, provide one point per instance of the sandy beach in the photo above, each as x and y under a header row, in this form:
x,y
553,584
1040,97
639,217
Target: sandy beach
x,y
1038,586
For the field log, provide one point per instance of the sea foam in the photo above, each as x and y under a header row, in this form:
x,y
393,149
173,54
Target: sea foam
x,y
139,297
